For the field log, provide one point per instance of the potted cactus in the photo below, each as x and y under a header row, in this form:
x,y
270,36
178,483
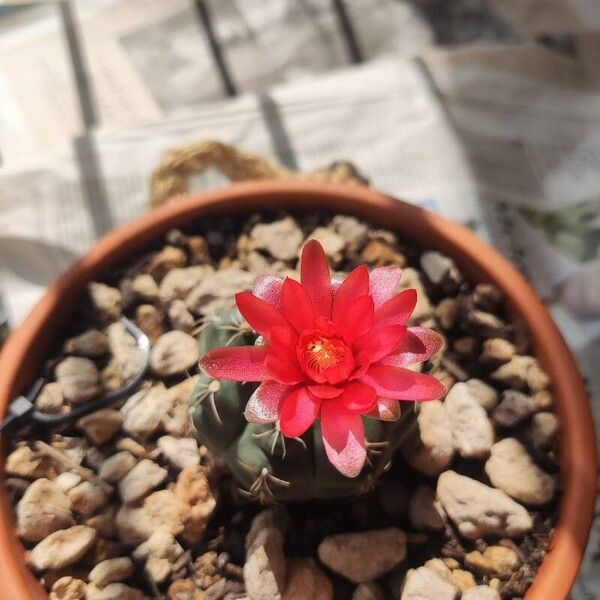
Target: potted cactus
x,y
361,430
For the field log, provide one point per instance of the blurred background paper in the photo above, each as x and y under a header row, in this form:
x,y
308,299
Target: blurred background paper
x,y
485,111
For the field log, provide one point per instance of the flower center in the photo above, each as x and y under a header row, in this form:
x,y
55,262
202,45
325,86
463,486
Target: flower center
x,y
323,353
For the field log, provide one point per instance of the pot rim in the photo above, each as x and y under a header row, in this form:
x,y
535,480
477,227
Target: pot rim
x,y
29,343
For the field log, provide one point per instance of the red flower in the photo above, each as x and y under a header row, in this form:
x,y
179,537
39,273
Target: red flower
x,y
334,350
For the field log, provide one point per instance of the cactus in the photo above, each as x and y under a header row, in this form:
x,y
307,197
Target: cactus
x,y
267,465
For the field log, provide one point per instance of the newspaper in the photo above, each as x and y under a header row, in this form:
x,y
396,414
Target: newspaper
x,y
148,58
502,137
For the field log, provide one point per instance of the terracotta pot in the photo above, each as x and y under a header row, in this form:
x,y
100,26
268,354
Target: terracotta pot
x,y
28,346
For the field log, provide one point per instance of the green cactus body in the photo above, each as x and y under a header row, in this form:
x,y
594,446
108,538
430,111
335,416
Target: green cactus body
x,y
267,465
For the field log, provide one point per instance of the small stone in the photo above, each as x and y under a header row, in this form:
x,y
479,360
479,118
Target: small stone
x,y
161,544
68,588
217,291
423,309
50,399
111,376
206,572
440,269
115,467
141,480
178,283
481,592
432,451
497,351
145,288
67,481
197,502
483,324
180,317
332,243
446,312
520,373
440,568
265,569
487,296
479,510
113,570
23,462
485,394
151,321
423,511
465,346
159,511
158,569
424,584
511,469
175,352
274,516
43,509
106,300
180,453
352,231
90,344
113,591
198,250
305,581
513,409
169,258
472,432
62,548
104,523
495,560
101,426
282,239
363,557
144,411
106,549
79,379
87,498
463,580
184,589
378,253
125,351
542,400
368,591
543,429
131,446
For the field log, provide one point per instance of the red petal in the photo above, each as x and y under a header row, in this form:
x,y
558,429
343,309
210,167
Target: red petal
x,y
353,287
358,319
260,315
359,398
297,307
284,341
396,310
402,384
383,282
240,363
284,371
269,289
315,277
325,391
377,344
265,403
298,412
419,344
386,410
343,437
